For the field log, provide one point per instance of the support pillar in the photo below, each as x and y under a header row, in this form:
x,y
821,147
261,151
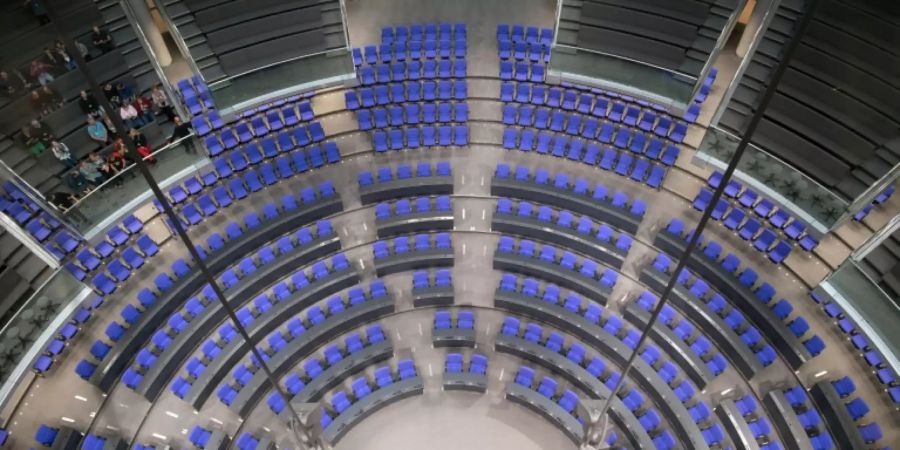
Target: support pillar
x,y
143,19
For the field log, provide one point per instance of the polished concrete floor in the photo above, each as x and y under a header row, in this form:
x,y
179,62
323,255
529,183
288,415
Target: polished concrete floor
x,y
488,420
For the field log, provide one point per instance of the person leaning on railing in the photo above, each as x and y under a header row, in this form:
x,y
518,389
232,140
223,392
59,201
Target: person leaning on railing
x,y
182,129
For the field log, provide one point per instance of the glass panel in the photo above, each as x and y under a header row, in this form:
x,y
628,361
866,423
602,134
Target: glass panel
x,y
775,179
282,79
128,189
34,317
874,311
670,89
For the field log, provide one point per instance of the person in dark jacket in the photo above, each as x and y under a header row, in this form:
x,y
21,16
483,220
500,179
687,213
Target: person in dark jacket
x,y
181,130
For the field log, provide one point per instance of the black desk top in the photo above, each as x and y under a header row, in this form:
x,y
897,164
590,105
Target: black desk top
x,y
157,376
600,210
407,187
464,381
698,312
581,379
788,345
137,335
834,411
784,419
566,278
736,426
378,399
412,260
414,222
312,339
605,252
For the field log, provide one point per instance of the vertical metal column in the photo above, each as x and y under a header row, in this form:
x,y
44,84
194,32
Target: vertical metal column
x,y
764,22
720,44
170,212
144,40
789,51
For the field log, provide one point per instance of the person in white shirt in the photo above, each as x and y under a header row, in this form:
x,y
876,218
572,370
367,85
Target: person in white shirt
x,y
62,153
130,116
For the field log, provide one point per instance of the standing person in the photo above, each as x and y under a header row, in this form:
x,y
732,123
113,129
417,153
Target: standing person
x,y
181,130
161,102
40,71
102,39
97,131
62,153
145,108
142,145
116,160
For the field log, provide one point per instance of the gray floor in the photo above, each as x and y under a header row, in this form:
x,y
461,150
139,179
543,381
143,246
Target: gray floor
x,y
488,421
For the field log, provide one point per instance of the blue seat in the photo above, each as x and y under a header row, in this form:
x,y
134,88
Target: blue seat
x,y
814,345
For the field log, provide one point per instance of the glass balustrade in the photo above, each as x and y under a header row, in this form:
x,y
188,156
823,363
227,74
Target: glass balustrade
x,y
279,80
31,327
670,89
127,189
773,178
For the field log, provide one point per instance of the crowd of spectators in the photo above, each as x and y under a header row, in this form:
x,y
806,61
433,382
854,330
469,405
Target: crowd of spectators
x,y
109,156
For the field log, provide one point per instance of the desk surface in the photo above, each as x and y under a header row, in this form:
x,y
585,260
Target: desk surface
x,y
313,338
600,210
784,341
115,363
698,312
366,406
605,252
566,278
158,376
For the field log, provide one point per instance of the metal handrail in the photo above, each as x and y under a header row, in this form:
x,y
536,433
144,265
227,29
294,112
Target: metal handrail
x,y
629,59
215,84
122,172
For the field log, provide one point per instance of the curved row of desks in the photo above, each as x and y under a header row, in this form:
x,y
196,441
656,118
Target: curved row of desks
x,y
547,408
369,404
578,377
554,273
789,346
743,359
605,252
600,210
647,378
157,377
111,368
336,374
314,338
231,354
